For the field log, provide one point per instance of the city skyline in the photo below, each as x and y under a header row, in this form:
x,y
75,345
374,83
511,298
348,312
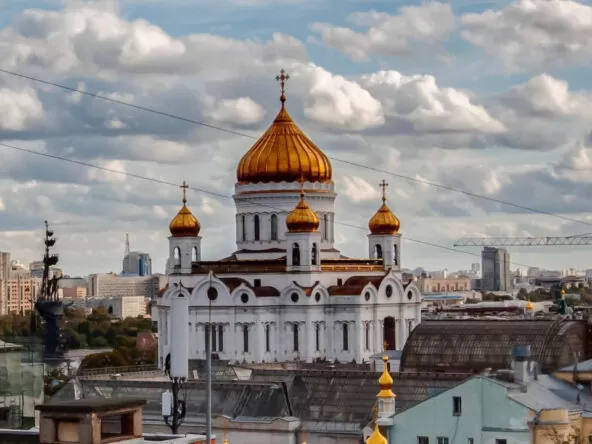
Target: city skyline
x,y
447,100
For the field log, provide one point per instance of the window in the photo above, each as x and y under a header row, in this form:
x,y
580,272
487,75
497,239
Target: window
x,y
295,255
314,254
194,254
367,336
395,252
267,338
214,337
318,337
245,338
256,226
345,337
207,336
326,227
378,252
501,441
220,338
256,282
423,440
243,228
456,405
274,227
470,441
340,282
177,257
442,440
295,333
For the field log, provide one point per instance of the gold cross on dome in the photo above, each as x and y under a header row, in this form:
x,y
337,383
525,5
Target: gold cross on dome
x,y
383,185
283,78
184,187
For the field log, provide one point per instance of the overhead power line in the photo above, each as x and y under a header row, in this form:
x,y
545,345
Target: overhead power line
x,y
250,136
213,193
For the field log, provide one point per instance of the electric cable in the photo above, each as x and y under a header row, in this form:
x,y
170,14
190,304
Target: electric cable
x,y
216,194
242,134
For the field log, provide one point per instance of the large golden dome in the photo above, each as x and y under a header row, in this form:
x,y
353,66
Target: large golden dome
x,y
184,224
384,220
284,154
302,219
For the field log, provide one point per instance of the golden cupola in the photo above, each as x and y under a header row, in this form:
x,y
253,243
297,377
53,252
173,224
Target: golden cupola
x,y
529,306
184,224
385,382
376,437
384,220
302,219
284,153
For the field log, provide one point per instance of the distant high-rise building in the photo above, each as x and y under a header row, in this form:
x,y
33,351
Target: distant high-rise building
x,y
5,266
495,266
135,263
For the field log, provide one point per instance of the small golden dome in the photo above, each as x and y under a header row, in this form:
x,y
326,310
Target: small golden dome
x,y
385,382
302,219
284,153
384,221
376,437
529,306
184,224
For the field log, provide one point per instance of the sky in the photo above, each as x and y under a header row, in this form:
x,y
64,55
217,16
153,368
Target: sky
x,y
490,97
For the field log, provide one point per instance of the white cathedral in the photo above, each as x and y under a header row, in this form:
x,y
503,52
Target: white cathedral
x,y
286,293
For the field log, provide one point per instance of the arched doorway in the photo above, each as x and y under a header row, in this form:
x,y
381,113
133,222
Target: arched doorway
x,y
389,333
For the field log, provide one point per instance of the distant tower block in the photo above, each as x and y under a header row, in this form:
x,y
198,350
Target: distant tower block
x,y
179,336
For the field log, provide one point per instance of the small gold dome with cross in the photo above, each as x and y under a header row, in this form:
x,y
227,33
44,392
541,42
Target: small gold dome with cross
x,y
302,219
184,224
384,220
284,153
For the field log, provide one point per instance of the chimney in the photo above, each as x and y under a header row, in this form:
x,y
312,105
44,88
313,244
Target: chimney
x,y
520,362
91,421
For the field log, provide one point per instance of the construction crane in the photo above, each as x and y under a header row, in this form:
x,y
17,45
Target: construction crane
x,y
582,239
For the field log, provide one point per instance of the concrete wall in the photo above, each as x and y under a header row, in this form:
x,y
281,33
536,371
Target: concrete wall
x,y
487,414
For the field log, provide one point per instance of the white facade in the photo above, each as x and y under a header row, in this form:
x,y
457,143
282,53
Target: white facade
x,y
267,310
271,302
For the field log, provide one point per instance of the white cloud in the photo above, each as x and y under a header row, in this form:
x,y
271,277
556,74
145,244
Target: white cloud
x,y
389,35
21,109
530,34
244,111
419,101
358,190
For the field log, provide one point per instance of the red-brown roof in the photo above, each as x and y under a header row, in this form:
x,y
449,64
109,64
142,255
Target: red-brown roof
x,y
354,285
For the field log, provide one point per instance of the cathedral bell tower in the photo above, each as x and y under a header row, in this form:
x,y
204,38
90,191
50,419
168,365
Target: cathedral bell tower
x,y
384,240
303,240
184,241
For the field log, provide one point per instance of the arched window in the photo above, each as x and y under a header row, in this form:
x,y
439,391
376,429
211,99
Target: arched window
x,y
326,227
295,255
295,333
243,228
378,252
245,339
314,254
194,254
274,227
177,257
395,253
345,336
257,227
318,337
